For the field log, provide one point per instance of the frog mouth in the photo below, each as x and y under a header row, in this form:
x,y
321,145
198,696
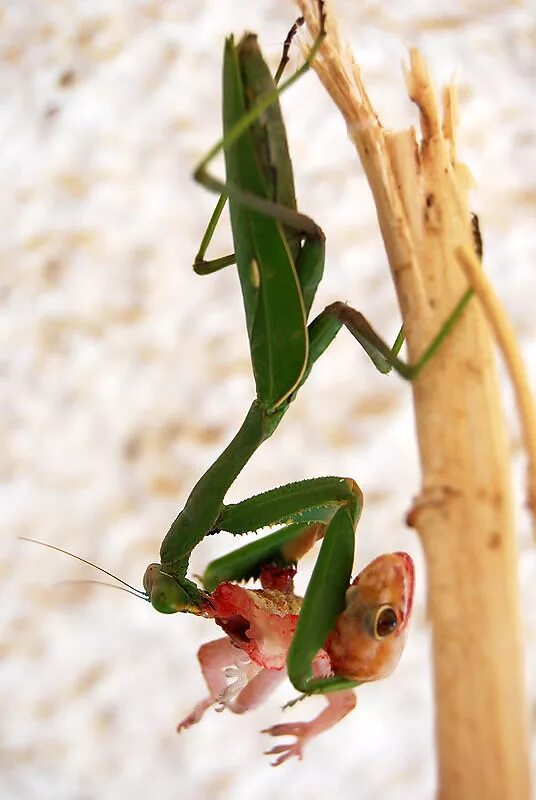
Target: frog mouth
x,y
408,572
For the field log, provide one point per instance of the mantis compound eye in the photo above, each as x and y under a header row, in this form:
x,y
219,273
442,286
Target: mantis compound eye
x,y
385,622
165,593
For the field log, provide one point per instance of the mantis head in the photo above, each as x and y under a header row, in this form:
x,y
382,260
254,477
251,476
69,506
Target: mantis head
x,y
166,593
169,595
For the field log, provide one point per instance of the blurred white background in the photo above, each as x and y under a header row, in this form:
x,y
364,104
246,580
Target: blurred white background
x,y
124,375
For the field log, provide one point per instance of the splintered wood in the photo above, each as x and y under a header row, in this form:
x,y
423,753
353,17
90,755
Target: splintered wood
x,y
464,513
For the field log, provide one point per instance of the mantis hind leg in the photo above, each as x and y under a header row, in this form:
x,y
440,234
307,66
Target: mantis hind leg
x,y
384,357
286,215
201,266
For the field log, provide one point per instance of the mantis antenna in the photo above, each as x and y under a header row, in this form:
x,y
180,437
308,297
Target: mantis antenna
x,y
132,589
135,593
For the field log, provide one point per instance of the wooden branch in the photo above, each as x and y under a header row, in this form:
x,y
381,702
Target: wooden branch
x,y
464,512
509,348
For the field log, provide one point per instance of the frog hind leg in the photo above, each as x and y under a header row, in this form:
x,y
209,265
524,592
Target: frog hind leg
x,y
339,705
257,690
219,661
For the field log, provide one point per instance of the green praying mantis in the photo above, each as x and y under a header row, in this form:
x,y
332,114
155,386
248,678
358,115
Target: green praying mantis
x,y
343,633
279,257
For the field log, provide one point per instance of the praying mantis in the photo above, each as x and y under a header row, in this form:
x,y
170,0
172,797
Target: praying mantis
x,y
344,633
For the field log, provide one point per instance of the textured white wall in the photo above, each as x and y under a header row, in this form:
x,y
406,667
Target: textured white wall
x,y
126,375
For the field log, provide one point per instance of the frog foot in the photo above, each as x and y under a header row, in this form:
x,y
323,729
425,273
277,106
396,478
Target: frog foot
x,y
242,675
301,730
195,715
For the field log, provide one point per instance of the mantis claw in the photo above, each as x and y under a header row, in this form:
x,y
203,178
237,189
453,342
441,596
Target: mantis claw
x,y
292,703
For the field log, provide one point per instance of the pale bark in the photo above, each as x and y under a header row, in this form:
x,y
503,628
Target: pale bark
x,y
464,513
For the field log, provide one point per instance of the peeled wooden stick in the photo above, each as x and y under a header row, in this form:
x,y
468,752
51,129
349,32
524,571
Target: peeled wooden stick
x,y
464,512
509,347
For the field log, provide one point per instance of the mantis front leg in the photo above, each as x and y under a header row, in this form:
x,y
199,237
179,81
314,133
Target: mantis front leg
x,y
329,509
333,503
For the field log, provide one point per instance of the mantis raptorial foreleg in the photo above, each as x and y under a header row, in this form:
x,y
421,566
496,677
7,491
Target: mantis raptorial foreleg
x,y
334,504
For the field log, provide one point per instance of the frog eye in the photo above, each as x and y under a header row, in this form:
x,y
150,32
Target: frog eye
x,y
385,622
